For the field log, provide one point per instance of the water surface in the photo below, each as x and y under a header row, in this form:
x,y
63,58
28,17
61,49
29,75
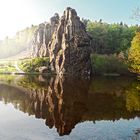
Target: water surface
x,y
53,108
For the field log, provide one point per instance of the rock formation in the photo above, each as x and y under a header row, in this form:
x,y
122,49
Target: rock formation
x,y
66,42
69,47
42,36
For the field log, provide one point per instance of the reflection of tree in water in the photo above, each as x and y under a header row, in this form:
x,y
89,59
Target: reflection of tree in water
x,y
133,104
133,97
64,102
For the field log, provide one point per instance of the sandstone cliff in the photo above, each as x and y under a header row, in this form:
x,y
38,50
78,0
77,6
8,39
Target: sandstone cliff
x,y
69,47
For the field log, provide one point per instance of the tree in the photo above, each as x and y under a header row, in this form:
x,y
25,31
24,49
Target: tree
x,y
111,38
134,54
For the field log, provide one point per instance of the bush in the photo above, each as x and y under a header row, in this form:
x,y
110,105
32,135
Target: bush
x,y
32,65
108,64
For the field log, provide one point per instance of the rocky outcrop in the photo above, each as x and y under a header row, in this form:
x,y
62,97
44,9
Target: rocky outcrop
x,y
69,47
42,36
66,42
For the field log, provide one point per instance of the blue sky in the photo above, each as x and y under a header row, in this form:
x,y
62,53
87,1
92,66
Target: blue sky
x,y
18,14
108,10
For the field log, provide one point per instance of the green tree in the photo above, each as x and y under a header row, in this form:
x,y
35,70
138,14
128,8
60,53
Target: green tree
x,y
111,38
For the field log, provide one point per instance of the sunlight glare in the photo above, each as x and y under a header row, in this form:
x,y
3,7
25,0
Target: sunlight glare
x,y
14,15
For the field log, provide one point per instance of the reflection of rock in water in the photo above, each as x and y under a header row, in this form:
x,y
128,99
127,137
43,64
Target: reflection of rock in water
x,y
64,102
50,103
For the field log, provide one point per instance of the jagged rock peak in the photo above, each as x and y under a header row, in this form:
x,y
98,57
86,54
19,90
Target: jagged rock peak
x,y
55,19
69,11
69,47
43,35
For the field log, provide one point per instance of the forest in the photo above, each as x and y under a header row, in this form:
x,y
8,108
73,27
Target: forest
x,y
114,47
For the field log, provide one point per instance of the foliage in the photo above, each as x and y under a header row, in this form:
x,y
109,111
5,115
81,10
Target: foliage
x,y
108,64
32,65
111,38
134,54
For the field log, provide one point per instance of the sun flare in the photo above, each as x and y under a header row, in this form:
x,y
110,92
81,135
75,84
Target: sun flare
x,y
14,15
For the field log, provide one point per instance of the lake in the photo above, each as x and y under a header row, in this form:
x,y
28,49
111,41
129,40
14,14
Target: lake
x,y
53,108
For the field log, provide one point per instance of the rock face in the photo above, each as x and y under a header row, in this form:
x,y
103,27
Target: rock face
x,y
42,36
69,47
66,42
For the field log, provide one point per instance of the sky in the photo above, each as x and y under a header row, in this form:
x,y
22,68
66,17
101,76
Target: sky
x,y
16,15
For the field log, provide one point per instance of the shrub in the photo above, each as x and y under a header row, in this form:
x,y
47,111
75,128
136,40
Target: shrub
x,y
32,65
108,64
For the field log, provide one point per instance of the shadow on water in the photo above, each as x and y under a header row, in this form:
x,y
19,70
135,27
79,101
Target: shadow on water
x,y
64,102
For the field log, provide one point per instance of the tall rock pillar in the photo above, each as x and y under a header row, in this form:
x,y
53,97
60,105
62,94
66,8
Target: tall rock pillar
x,y
69,47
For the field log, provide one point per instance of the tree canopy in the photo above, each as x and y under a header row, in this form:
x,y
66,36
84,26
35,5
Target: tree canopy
x,y
111,38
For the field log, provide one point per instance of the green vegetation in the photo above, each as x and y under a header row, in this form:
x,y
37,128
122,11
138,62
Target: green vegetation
x,y
7,67
111,38
111,44
109,64
134,54
32,65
